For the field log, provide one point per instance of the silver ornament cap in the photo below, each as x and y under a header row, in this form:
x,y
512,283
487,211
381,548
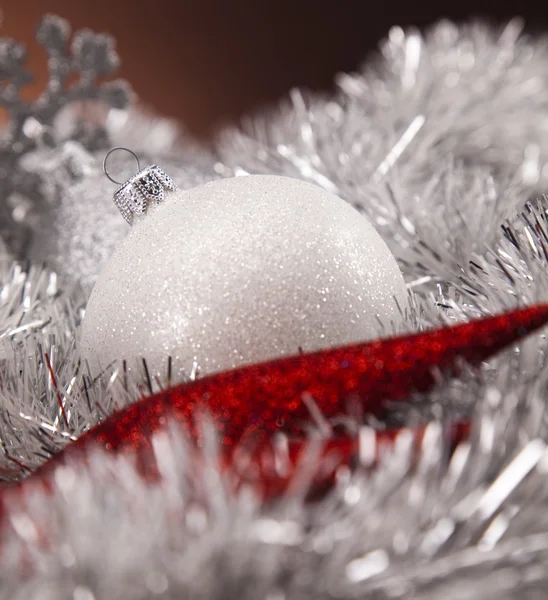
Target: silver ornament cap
x,y
146,186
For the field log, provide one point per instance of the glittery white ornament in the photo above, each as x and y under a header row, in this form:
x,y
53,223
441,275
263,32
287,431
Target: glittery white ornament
x,y
238,271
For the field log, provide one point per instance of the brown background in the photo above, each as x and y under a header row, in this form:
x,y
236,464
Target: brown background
x,y
208,60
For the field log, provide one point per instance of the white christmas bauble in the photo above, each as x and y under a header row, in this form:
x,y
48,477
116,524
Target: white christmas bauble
x,y
239,271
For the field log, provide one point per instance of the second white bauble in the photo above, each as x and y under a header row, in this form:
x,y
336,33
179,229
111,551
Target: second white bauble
x,y
239,271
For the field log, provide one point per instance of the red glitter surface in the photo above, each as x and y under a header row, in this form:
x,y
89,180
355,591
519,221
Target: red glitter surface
x,y
251,403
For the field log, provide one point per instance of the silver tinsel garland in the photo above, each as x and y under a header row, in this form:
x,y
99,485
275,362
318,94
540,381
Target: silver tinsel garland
x,y
442,141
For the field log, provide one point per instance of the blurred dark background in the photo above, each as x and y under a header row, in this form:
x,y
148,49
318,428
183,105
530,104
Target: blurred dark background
x,y
206,61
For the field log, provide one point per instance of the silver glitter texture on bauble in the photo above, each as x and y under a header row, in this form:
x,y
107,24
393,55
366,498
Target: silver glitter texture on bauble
x,y
239,271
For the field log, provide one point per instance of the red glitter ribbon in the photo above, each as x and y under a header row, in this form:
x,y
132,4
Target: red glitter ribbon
x,y
250,404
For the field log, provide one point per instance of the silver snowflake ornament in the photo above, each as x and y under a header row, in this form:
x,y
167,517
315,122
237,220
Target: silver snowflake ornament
x,y
73,69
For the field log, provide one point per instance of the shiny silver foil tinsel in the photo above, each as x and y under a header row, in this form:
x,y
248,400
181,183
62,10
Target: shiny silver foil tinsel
x,y
442,141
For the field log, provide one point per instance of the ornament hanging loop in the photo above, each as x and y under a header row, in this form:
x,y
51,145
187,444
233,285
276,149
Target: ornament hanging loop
x,y
118,148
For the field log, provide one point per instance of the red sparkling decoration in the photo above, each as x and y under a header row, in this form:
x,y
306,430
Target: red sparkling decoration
x,y
252,403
